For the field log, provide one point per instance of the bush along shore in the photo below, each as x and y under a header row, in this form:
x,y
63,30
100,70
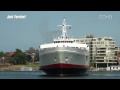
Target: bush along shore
x,y
34,66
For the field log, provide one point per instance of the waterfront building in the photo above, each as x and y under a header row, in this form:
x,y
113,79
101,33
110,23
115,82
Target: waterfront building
x,y
102,50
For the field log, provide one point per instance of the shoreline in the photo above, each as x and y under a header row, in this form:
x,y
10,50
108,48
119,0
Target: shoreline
x,y
36,68
15,67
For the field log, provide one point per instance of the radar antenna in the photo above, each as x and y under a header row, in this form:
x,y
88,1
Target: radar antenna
x,y
64,31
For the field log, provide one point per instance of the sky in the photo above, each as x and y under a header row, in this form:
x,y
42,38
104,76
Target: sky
x,y
39,27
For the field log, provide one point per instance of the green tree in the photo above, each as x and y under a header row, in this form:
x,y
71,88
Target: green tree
x,y
37,56
18,58
2,57
29,58
12,60
2,54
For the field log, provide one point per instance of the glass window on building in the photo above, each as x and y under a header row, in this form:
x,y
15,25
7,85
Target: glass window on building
x,y
81,41
105,42
94,39
94,42
102,42
77,40
111,42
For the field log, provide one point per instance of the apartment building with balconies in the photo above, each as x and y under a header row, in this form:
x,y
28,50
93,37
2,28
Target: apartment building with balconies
x,y
102,50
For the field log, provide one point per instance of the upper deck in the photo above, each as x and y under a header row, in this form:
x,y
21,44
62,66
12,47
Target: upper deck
x,y
72,45
64,40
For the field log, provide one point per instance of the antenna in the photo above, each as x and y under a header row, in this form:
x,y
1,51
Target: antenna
x,y
64,31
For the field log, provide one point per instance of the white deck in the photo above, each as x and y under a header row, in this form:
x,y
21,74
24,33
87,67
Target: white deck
x,y
51,45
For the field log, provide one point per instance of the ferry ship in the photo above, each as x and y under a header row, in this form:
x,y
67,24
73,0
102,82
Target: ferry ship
x,y
63,56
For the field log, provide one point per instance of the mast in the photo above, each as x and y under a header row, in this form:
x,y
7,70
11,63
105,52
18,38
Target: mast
x,y
64,31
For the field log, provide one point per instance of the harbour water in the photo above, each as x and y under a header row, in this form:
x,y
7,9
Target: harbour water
x,y
42,75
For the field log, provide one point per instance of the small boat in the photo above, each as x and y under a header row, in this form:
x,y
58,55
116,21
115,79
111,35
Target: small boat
x,y
113,68
26,69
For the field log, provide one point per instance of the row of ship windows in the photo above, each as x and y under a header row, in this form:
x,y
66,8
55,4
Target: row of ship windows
x,y
82,40
63,41
70,47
